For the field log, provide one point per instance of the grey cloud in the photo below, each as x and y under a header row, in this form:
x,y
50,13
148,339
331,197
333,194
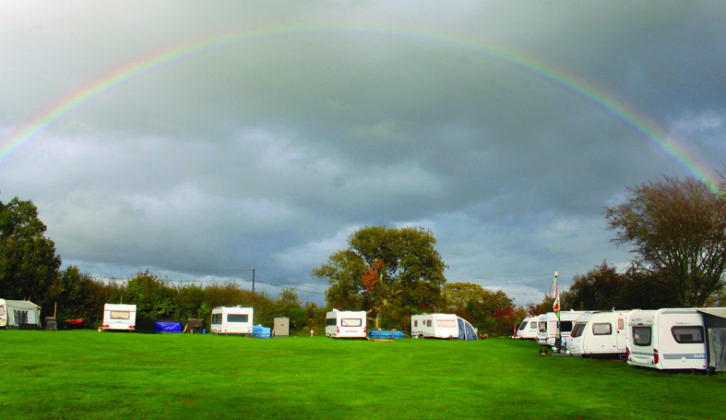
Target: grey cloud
x,y
268,150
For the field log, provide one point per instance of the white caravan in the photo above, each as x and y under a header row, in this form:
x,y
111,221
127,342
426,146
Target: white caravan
x,y
232,320
600,334
442,326
671,338
19,314
547,326
119,317
528,329
345,324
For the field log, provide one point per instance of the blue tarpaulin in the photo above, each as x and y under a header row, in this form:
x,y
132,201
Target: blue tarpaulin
x,y
385,334
170,327
258,331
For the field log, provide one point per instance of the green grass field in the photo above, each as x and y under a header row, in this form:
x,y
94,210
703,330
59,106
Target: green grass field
x,y
86,374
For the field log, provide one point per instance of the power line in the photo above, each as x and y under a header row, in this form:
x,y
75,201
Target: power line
x,y
216,281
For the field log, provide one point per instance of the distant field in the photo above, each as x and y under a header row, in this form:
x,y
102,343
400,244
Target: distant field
x,y
86,374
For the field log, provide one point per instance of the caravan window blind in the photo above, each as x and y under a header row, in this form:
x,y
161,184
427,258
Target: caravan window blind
x,y
602,328
446,323
351,322
119,315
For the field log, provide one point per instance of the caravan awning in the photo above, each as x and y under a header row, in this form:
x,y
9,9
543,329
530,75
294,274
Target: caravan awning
x,y
22,304
714,320
718,312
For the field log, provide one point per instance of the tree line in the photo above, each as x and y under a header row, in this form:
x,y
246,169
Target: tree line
x,y
31,270
393,274
677,229
163,300
677,233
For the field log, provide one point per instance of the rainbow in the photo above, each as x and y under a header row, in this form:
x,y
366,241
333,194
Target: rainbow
x,y
495,50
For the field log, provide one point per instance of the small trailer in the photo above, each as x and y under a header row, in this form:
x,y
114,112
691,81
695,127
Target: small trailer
x,y
547,326
442,326
22,314
600,334
281,327
345,324
527,329
669,338
232,320
119,317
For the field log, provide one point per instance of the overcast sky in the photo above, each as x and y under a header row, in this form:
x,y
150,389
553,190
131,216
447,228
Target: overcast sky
x,y
316,118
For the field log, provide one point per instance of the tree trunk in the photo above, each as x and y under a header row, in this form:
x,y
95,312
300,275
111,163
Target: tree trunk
x,y
378,313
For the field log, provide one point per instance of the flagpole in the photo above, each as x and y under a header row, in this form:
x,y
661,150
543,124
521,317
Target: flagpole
x,y
556,308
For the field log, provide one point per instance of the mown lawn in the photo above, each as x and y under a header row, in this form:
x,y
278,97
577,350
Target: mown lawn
x,y
86,374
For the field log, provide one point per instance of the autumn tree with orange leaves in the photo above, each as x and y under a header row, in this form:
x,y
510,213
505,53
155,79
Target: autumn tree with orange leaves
x,y
373,273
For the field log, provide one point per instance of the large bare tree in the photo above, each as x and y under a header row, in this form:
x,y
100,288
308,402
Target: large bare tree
x,y
678,229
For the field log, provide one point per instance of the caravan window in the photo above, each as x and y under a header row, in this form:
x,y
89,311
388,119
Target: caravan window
x,y
565,326
415,323
577,331
446,323
216,318
428,322
533,325
641,336
119,315
523,326
351,322
330,322
237,317
543,327
690,334
602,328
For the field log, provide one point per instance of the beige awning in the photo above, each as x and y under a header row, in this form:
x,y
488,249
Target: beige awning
x,y
719,312
22,304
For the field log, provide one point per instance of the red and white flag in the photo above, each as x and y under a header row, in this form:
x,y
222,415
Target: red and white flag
x,y
556,304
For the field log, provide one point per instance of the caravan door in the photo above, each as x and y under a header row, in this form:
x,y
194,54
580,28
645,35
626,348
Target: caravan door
x,y
621,337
